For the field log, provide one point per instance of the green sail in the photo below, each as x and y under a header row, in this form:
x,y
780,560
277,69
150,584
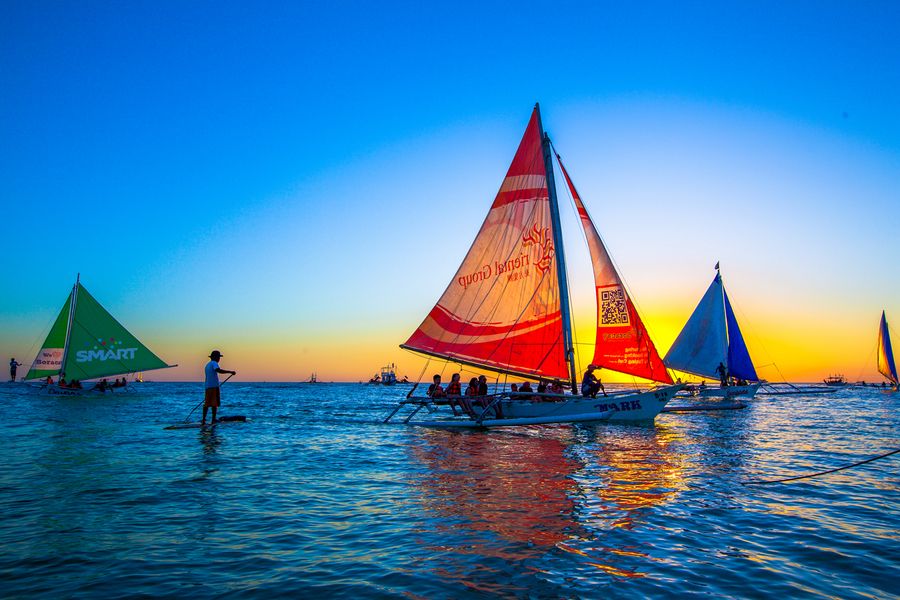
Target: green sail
x,y
49,358
100,347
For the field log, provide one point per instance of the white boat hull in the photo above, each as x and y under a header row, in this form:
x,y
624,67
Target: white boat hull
x,y
638,406
732,391
53,390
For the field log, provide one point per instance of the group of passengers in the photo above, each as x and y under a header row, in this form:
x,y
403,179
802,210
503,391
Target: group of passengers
x,y
477,391
69,385
476,394
104,384
101,385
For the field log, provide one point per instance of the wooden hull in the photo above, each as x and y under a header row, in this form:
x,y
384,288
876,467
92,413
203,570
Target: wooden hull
x,y
637,406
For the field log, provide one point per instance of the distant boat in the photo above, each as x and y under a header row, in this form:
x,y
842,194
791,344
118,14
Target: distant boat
x,y
836,381
86,342
712,337
388,376
312,378
886,365
506,310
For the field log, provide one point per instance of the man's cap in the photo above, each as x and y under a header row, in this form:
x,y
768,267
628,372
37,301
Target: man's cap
x,y
216,353
592,366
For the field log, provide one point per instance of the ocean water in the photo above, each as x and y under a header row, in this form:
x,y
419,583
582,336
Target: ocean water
x,y
315,496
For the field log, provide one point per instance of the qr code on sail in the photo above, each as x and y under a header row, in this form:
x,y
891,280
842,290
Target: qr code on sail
x,y
613,308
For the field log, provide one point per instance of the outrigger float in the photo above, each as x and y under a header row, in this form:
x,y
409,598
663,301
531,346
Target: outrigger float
x,y
507,311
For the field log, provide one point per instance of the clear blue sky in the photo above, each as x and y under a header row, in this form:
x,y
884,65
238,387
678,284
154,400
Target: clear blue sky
x,y
249,173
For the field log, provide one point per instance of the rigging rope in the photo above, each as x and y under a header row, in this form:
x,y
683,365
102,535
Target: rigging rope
x,y
810,475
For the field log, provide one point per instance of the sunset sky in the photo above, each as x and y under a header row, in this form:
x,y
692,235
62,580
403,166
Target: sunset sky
x,y
296,183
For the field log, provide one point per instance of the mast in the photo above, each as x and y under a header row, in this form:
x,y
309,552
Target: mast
x,y
72,304
724,316
564,309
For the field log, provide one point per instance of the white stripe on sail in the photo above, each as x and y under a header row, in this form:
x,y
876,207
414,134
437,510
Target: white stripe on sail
x,y
523,182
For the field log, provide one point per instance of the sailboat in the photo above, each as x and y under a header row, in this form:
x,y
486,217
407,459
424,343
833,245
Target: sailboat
x,y
711,339
886,365
86,342
506,310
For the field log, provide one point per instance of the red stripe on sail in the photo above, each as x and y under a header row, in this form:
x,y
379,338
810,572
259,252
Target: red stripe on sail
x,y
533,347
455,326
622,342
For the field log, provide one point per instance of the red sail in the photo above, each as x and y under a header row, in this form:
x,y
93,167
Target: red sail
x,y
501,310
623,343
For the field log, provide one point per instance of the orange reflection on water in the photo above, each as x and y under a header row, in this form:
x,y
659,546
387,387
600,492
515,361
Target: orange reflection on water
x,y
551,487
516,486
634,470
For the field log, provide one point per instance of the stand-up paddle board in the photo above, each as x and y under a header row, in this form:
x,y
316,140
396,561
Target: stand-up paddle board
x,y
198,425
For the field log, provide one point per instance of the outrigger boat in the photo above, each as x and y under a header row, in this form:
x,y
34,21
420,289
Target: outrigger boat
x,y
835,381
507,311
86,342
886,365
712,338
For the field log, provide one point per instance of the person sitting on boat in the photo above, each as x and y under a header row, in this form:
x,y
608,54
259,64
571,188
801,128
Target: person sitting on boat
x,y
454,391
514,388
482,385
101,385
454,388
62,382
75,385
435,390
526,388
590,384
472,388
49,380
722,372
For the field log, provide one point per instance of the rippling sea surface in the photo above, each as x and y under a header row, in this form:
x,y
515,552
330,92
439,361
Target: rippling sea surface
x,y
316,496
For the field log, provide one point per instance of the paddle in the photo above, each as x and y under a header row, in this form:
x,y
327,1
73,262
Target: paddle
x,y
202,401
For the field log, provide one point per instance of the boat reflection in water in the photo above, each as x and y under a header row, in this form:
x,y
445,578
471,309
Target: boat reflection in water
x,y
519,499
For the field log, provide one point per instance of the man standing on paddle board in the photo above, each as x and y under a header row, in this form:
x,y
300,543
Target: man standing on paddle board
x,y
211,398
13,365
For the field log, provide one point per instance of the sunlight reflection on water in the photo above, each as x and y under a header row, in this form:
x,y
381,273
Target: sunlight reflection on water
x,y
316,496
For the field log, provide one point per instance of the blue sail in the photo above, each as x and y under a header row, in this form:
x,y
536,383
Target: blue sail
x,y
886,364
739,363
702,344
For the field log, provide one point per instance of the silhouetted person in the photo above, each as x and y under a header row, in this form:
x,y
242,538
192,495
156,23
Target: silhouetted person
x,y
590,384
13,365
722,371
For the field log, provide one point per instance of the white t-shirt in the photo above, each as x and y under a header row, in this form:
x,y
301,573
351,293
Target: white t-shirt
x,y
212,377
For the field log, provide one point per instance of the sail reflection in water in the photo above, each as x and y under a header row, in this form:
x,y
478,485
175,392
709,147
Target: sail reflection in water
x,y
531,495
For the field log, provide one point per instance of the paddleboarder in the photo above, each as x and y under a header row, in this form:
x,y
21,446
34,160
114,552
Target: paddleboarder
x,y
13,365
211,397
